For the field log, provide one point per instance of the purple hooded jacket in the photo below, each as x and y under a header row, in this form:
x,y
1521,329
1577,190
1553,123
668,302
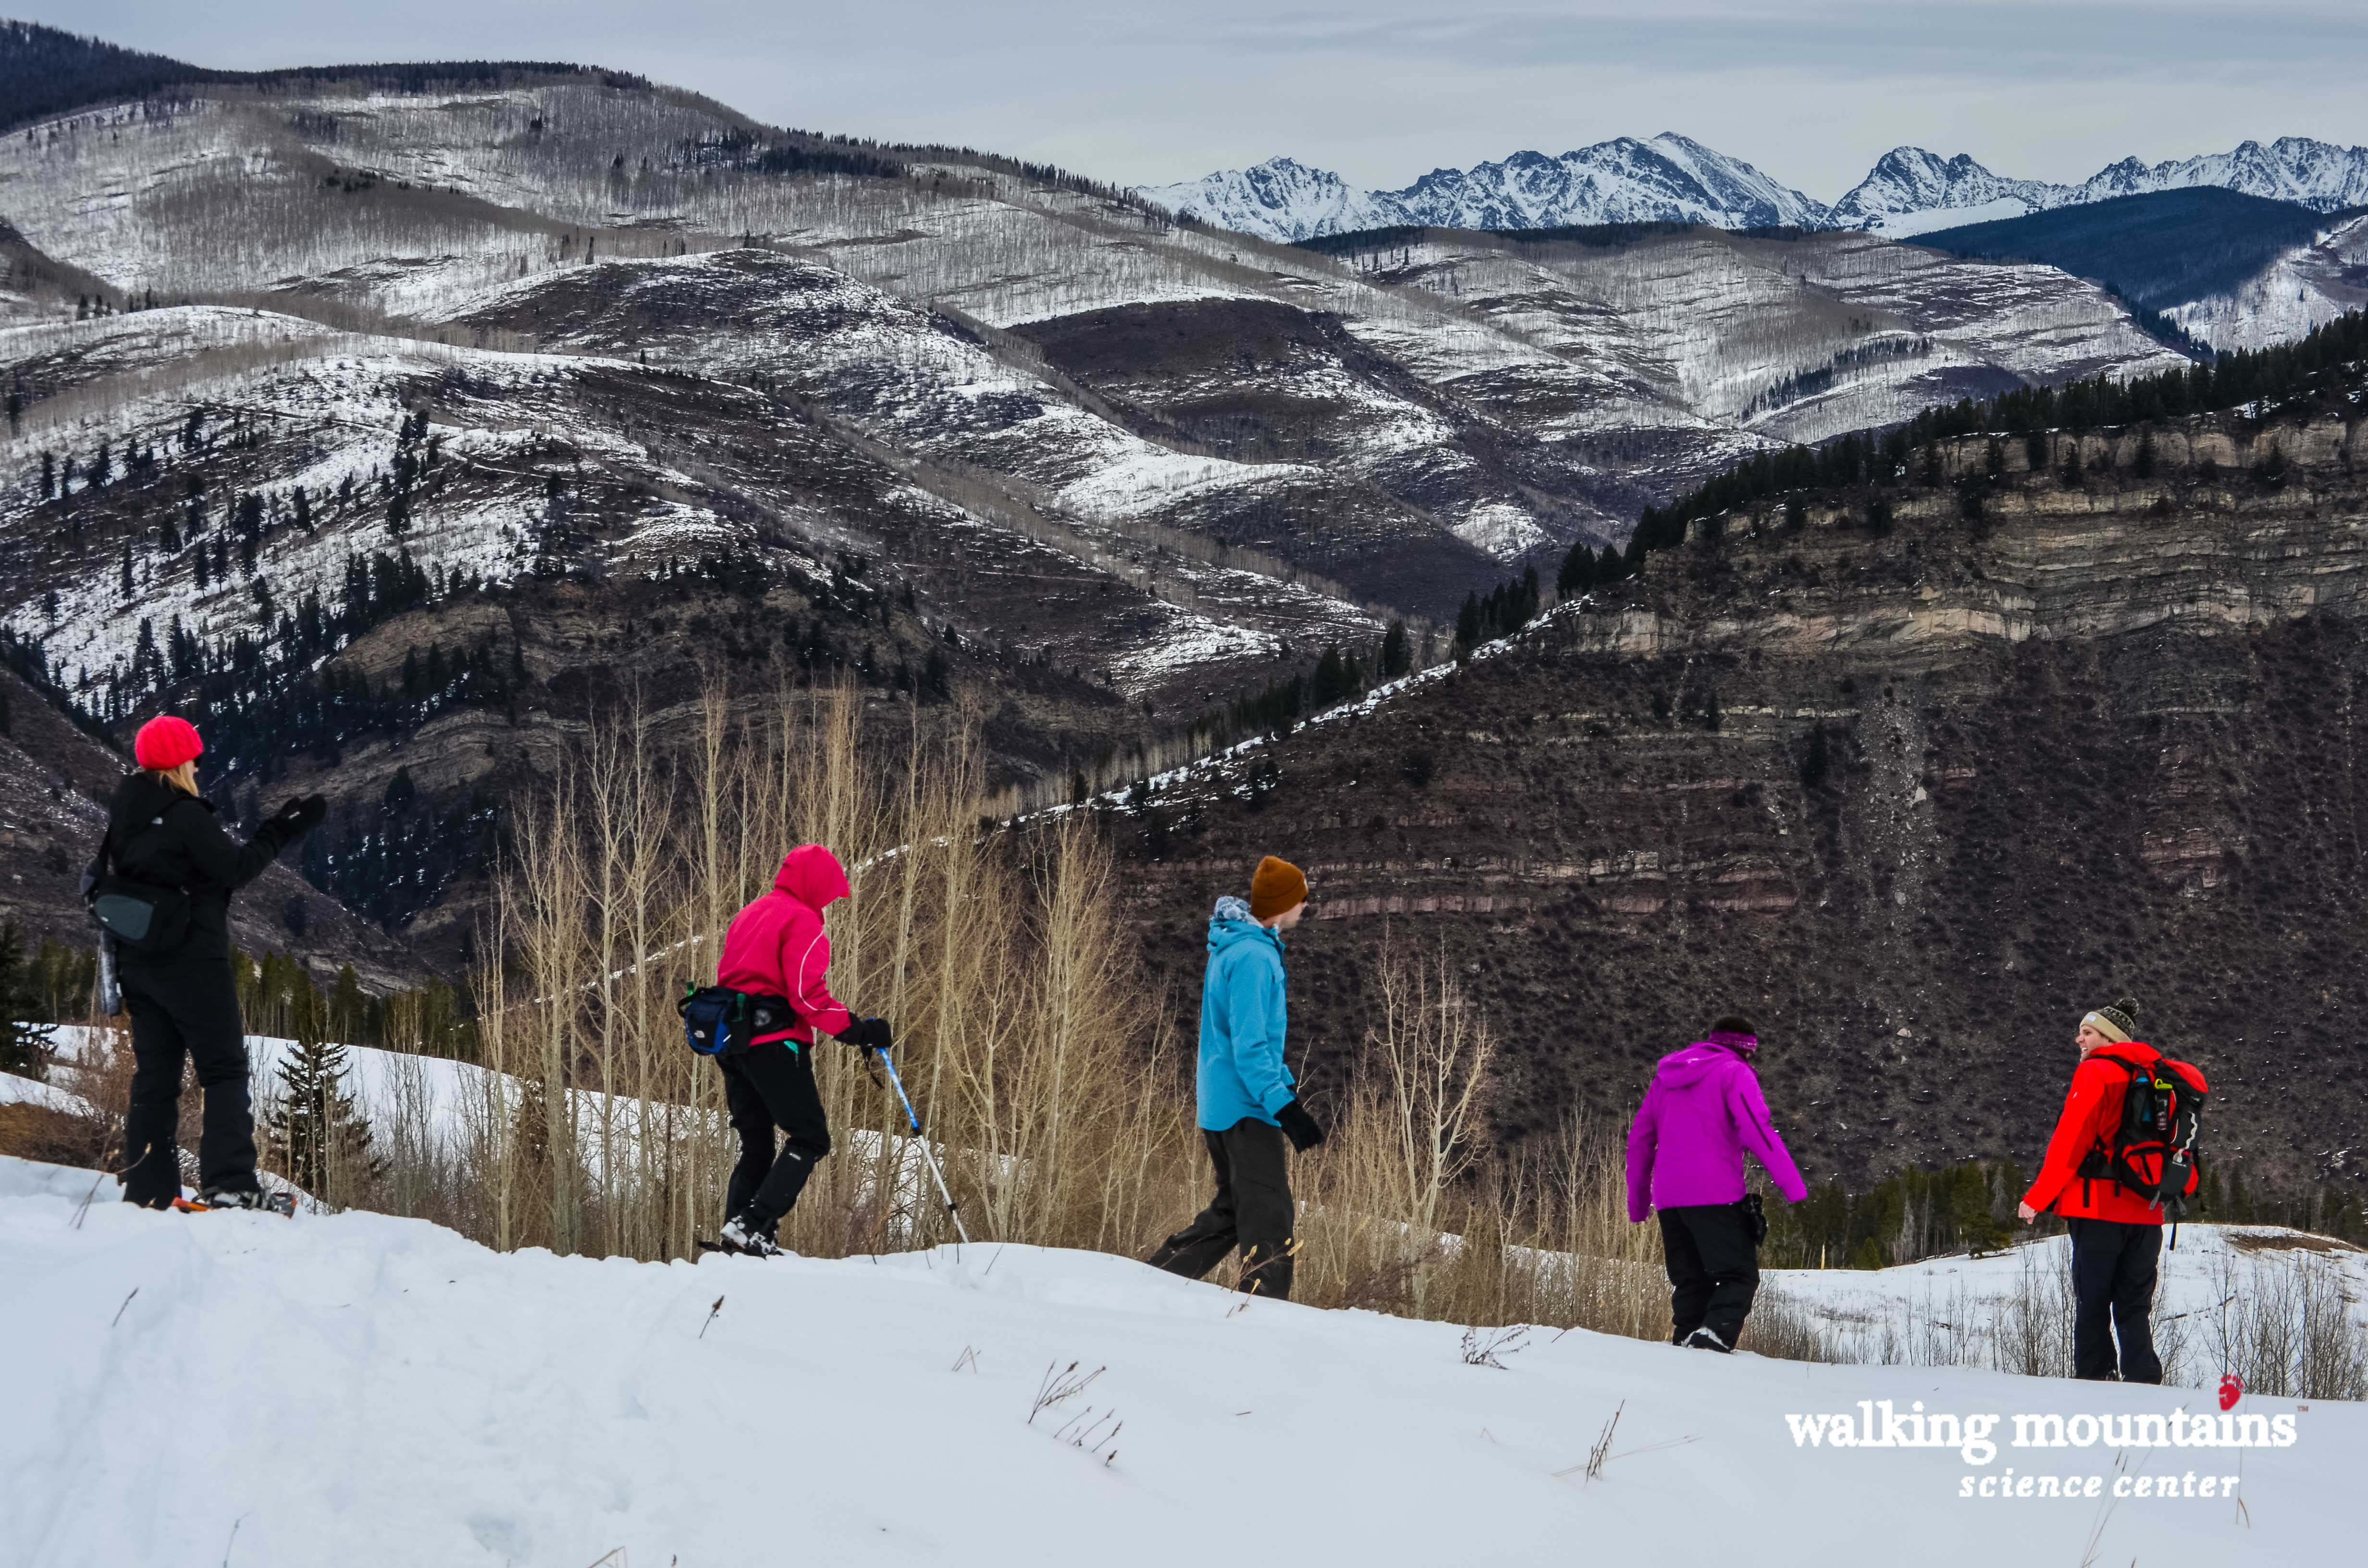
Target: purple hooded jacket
x,y
1703,1110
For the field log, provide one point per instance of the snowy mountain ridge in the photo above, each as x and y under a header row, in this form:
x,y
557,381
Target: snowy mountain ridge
x,y
1674,179
1667,179
1911,191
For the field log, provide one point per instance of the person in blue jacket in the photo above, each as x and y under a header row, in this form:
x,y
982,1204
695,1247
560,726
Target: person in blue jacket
x,y
1248,1104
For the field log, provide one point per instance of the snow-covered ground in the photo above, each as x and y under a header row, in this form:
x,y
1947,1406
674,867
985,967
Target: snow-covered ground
x,y
359,1389
2013,1310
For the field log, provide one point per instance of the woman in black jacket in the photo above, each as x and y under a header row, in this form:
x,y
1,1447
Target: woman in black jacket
x,y
183,1004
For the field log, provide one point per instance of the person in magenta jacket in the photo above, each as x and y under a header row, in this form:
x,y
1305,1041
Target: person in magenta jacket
x,y
775,951
1685,1163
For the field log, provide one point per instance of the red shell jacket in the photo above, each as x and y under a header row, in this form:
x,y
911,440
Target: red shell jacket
x,y
2092,1112
776,946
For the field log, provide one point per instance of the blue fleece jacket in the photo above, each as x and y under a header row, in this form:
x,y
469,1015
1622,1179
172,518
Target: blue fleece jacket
x,y
1242,1022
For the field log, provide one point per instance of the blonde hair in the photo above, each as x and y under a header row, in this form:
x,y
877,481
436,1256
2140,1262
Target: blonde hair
x,y
184,778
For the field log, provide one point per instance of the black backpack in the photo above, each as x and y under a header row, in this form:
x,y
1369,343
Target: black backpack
x,y
146,918
2152,1151
717,1019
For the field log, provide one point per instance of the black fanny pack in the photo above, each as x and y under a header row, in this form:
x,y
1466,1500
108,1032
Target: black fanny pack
x,y
1755,1216
717,1019
145,918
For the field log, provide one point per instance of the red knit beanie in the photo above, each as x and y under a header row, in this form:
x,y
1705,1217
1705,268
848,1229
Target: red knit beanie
x,y
164,743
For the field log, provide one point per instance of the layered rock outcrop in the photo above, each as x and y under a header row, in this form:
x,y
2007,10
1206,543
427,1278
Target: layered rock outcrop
x,y
1914,776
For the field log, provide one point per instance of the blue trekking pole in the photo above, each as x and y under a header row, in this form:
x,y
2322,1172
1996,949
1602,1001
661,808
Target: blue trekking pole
x,y
880,1055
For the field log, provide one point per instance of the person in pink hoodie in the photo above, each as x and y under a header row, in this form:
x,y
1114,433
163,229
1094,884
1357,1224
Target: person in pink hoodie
x,y
1685,1161
776,951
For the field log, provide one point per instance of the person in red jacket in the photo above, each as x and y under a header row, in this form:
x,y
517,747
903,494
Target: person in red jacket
x,y
776,950
2116,1236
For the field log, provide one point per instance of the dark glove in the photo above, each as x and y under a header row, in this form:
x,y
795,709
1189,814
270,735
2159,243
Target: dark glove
x,y
298,818
867,1035
1299,1127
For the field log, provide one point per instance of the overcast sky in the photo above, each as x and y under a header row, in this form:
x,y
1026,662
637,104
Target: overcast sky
x,y
1386,90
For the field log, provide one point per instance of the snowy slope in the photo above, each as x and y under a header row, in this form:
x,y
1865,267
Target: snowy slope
x,y
2305,287
367,1390
1988,1311
1670,178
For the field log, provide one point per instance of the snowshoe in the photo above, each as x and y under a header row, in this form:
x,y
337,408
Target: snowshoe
x,y
1703,1340
747,1238
281,1203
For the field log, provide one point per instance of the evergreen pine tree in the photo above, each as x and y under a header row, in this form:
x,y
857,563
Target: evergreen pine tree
x,y
315,1129
1397,660
24,1044
348,1007
1577,573
1331,678
2142,461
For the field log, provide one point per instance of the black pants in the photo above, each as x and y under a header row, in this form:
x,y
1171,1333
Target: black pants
x,y
1252,1210
2113,1267
1713,1269
185,1013
766,1086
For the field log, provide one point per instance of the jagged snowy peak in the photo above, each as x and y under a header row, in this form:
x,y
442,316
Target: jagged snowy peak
x,y
1912,192
1667,179
1670,178
1909,190
1279,199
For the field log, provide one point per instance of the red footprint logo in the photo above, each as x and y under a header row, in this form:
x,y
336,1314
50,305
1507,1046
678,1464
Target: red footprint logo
x,y
2232,1389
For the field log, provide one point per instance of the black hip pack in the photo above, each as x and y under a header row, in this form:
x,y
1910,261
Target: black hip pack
x,y
145,918
1755,1217
717,1020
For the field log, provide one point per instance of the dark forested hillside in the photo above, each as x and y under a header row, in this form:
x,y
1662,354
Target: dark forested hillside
x,y
2156,250
45,72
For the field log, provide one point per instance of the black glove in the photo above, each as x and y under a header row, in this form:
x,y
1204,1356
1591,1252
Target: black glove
x,y
299,817
1299,1127
867,1035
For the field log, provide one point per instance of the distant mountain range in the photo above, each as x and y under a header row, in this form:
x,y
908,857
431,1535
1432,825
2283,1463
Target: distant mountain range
x,y
1674,179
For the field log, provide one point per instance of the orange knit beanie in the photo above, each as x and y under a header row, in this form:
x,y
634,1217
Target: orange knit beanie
x,y
1276,886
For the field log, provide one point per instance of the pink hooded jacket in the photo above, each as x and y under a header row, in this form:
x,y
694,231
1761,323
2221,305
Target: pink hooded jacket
x,y
1703,1110
776,946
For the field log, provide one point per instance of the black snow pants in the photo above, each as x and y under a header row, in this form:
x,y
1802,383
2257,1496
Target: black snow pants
x,y
1713,1269
186,1012
2113,1265
1252,1209
766,1086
